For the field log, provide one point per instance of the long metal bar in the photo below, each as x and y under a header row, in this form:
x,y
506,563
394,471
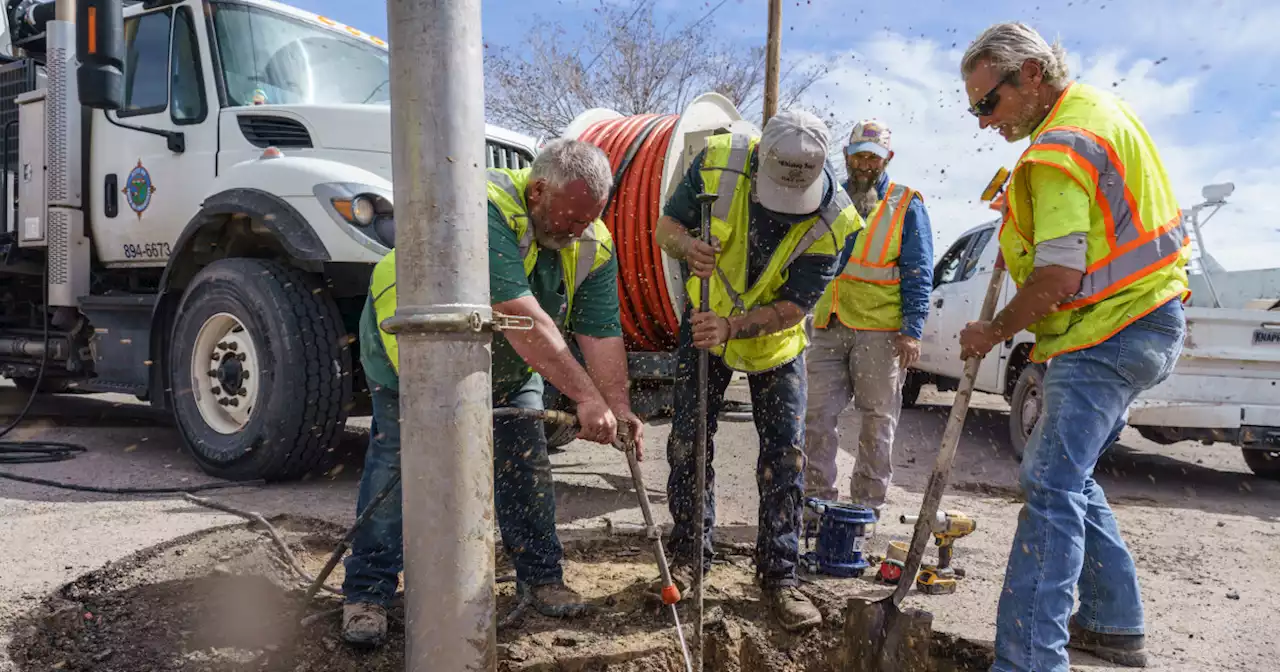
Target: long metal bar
x,y
437,130
700,448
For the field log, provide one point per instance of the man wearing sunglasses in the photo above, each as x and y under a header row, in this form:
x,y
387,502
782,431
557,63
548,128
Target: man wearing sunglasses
x,y
868,323
1093,238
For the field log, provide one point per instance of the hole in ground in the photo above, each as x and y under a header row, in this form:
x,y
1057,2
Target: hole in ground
x,y
222,601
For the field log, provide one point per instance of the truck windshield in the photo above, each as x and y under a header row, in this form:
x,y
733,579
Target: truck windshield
x,y
271,58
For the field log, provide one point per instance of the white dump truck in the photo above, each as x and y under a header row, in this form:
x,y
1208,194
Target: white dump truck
x,y
198,191
1225,387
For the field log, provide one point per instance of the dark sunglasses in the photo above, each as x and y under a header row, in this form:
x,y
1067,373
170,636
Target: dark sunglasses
x,y
987,104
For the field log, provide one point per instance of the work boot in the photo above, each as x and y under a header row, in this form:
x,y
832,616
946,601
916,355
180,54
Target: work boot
x,y
681,575
364,624
793,610
1127,650
557,600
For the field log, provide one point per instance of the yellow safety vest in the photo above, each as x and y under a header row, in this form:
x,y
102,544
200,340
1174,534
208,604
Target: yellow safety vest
x,y
1137,247
505,190
868,293
727,166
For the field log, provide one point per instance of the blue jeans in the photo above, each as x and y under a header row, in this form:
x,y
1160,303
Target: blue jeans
x,y
523,494
1067,536
777,402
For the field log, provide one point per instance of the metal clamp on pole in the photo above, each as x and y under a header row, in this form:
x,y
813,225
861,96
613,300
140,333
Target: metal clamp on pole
x,y
478,320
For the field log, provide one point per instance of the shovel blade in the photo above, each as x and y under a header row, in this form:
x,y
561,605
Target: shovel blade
x,y
880,637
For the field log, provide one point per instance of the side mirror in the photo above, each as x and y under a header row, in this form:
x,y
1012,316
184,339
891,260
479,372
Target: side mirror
x,y
100,52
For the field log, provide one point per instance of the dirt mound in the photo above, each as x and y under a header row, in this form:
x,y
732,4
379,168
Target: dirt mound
x,y
224,601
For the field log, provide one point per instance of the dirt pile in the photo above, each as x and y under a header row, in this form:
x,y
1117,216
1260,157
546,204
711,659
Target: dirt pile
x,y
225,601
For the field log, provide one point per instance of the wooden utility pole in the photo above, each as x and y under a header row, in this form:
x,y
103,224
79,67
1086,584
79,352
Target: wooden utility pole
x,y
772,57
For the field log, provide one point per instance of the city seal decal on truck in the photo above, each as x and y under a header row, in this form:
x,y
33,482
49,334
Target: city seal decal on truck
x,y
138,188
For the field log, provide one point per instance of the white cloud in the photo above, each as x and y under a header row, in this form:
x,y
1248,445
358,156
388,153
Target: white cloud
x,y
913,85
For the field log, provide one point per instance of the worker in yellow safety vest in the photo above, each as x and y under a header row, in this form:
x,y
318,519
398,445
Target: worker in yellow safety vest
x,y
1093,237
868,324
781,229
551,260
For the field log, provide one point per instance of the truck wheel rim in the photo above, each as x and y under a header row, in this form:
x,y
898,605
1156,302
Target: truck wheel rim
x,y
1030,411
224,373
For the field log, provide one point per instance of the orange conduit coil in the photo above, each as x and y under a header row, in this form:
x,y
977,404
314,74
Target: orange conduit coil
x,y
637,148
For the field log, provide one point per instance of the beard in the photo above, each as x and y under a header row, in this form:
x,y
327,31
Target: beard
x,y
549,241
862,190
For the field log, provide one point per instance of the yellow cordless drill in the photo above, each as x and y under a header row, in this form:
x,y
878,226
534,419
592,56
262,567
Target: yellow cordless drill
x,y
948,526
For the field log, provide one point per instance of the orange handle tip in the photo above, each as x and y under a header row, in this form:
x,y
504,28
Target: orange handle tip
x,y
670,594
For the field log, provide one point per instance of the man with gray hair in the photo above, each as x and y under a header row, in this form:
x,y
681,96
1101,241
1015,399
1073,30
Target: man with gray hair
x,y
1093,239
550,259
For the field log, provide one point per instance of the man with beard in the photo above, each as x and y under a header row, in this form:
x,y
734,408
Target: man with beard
x,y
1093,238
868,324
550,259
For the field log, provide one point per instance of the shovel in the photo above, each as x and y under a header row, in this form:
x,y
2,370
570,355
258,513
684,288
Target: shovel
x,y
881,637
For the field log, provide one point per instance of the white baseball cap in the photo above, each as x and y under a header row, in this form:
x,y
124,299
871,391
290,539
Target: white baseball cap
x,y
869,135
793,154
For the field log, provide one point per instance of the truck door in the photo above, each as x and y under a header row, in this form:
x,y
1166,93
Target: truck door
x,y
955,302
152,161
933,344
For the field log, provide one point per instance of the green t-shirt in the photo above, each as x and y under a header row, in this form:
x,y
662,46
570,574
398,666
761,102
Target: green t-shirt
x,y
595,308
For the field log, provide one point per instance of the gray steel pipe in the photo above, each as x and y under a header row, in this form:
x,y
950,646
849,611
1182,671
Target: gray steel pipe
x,y
437,128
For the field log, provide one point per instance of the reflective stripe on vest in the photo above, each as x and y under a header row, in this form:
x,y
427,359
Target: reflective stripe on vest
x,y
825,234
867,294
1132,253
875,254
578,260
1137,247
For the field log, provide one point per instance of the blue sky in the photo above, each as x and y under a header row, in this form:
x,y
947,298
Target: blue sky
x,y
1201,77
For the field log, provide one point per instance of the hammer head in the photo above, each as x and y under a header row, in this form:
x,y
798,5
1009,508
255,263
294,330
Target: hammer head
x,y
706,197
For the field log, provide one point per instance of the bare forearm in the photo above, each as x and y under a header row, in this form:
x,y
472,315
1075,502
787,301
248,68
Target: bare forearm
x,y
607,365
545,350
1045,289
672,237
766,319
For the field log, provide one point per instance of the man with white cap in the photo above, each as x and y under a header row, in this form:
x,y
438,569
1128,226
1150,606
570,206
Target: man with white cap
x,y
781,228
868,324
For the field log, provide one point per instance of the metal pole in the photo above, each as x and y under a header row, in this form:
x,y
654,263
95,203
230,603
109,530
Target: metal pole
x,y
1204,267
437,129
772,58
702,441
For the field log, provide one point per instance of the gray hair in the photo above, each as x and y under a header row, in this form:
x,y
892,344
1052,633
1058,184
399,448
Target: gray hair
x,y
565,160
1009,45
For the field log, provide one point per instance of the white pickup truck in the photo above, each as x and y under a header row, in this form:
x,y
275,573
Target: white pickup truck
x,y
1225,388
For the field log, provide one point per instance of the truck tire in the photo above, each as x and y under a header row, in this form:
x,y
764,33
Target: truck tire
x,y
259,370
1025,406
1263,463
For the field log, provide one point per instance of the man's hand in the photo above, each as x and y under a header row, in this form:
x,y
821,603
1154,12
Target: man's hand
x,y
977,339
597,423
709,330
631,427
908,349
701,256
